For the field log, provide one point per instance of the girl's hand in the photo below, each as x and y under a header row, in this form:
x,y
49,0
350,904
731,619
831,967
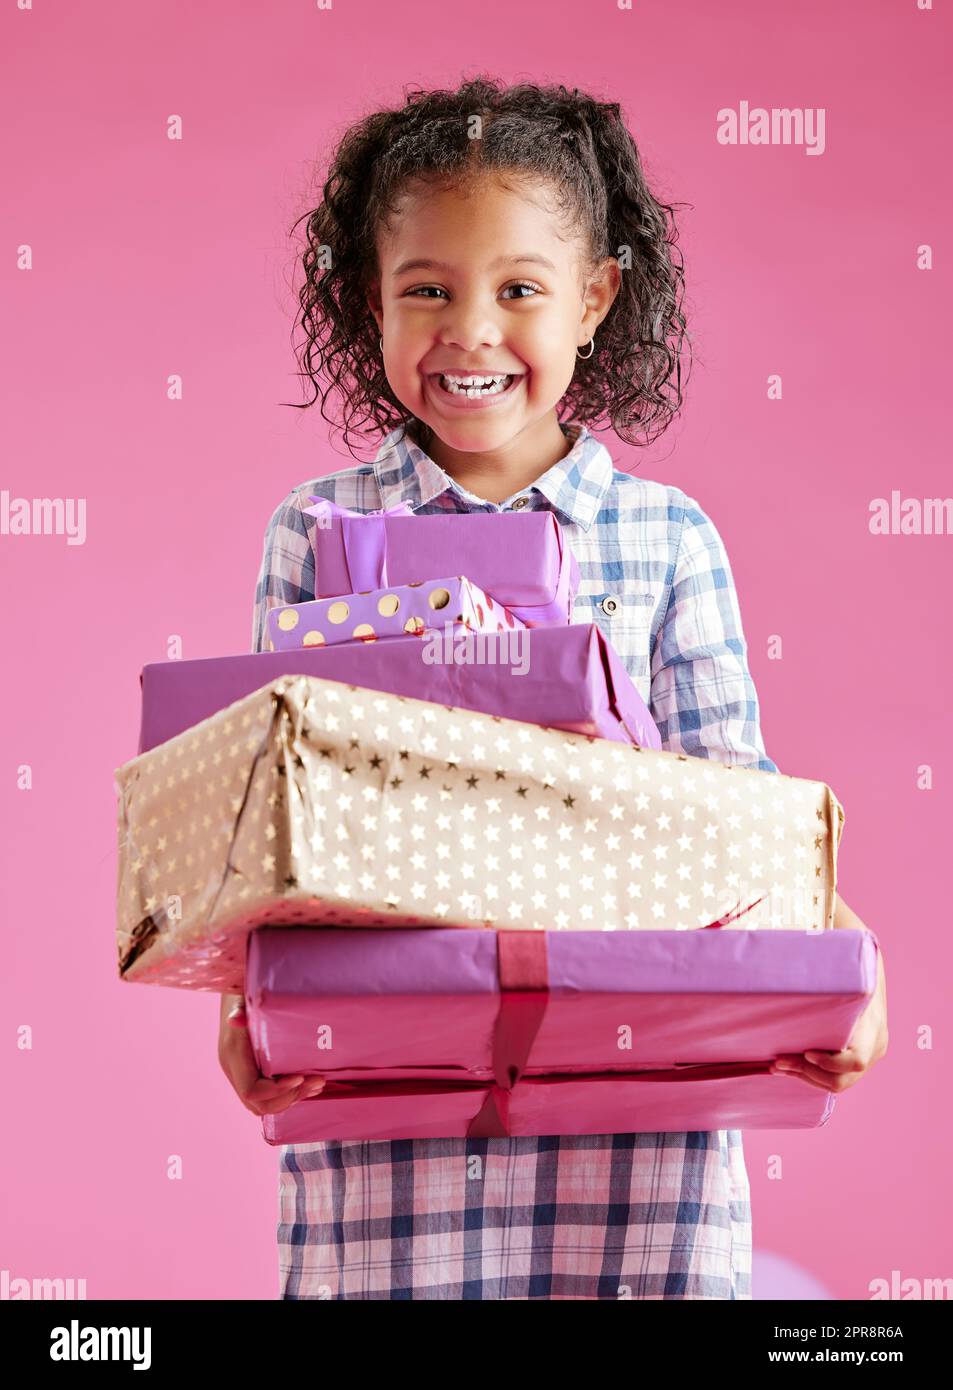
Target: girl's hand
x,y
263,1095
836,1071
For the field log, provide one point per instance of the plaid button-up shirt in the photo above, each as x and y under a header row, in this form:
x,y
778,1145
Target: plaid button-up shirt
x,y
580,1217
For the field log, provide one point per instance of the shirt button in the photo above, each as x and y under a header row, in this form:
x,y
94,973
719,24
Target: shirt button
x,y
609,605
520,503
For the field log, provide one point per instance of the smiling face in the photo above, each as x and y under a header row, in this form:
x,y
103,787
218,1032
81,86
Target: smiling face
x,y
485,283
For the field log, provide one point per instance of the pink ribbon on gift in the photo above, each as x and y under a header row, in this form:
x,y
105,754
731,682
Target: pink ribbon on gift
x,y
523,969
364,537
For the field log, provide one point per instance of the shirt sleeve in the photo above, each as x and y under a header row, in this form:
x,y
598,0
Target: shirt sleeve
x,y
287,567
703,698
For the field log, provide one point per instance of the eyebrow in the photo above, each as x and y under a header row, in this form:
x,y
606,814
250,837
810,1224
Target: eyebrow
x,y
530,258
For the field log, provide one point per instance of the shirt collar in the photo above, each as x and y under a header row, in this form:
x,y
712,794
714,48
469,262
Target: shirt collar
x,y
575,486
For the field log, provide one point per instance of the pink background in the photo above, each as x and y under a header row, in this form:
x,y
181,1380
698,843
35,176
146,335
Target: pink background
x,y
153,257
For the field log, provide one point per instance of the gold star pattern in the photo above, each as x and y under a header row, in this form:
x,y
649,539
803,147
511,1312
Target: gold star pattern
x,y
316,806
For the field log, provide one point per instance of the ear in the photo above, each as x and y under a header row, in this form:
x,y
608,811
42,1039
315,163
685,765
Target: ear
x,y
600,292
374,304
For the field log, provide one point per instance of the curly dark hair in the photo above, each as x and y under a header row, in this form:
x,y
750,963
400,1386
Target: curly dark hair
x,y
582,148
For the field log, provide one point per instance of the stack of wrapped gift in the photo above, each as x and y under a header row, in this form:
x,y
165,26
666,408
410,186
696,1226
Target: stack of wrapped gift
x,y
533,866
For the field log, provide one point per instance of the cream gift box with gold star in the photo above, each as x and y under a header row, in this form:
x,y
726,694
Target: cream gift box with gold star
x,y
314,802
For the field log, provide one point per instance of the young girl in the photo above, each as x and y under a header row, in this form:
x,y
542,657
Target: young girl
x,y
486,277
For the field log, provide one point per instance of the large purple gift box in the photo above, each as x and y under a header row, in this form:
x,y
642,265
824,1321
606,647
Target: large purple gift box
x,y
520,558
476,1033
573,679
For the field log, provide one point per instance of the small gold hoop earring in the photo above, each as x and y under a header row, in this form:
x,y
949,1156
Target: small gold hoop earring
x,y
382,346
586,355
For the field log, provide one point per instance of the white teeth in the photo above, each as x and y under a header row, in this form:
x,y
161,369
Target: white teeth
x,y
474,385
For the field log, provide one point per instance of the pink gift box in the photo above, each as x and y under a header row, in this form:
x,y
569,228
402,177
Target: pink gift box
x,y
575,681
406,608
474,1033
520,558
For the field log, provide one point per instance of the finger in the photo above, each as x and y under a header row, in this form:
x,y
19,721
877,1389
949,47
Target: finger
x,y
275,1106
270,1087
848,1060
310,1088
266,1097
307,1090
284,1089
814,1076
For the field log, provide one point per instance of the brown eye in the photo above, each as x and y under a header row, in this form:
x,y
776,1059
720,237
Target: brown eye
x,y
525,285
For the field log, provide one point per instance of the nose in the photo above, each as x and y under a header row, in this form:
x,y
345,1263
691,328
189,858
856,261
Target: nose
x,y
470,324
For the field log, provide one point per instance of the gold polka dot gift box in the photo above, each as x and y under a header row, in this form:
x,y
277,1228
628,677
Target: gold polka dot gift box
x,y
406,609
313,802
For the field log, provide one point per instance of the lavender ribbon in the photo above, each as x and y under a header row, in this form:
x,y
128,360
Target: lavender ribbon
x,y
364,537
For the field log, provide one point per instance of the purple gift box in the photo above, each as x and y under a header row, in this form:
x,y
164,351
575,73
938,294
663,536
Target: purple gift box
x,y
520,558
472,1032
573,680
407,608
